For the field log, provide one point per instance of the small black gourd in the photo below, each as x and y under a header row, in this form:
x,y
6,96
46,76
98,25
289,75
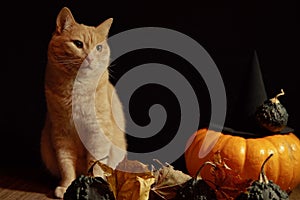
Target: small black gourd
x,y
196,188
89,187
263,189
272,115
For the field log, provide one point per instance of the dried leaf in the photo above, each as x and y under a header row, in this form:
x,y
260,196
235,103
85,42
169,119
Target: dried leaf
x,y
136,188
168,181
110,176
130,180
228,182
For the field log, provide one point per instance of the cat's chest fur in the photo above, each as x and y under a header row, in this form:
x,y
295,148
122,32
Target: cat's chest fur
x,y
87,102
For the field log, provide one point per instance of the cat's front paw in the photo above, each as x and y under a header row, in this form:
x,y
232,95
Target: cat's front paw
x,y
60,191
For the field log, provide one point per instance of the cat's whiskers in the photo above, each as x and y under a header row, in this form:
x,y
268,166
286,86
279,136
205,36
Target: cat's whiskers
x,y
111,71
74,62
111,74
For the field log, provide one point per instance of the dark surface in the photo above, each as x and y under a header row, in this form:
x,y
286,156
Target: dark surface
x,y
28,184
229,31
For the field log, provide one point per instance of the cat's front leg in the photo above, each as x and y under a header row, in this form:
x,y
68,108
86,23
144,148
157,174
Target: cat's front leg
x,y
68,174
66,158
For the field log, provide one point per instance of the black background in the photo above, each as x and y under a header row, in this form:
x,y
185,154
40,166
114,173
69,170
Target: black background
x,y
229,31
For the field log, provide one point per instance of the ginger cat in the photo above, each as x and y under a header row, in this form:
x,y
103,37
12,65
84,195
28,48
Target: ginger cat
x,y
77,54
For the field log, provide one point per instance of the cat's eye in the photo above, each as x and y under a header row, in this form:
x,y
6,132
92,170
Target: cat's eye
x,y
78,44
99,47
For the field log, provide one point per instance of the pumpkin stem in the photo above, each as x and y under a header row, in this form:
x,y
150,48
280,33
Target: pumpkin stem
x,y
204,164
275,99
262,174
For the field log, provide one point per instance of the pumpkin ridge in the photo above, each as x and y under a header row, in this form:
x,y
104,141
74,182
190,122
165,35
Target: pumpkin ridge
x,y
193,139
196,140
248,156
236,143
295,174
291,148
287,168
291,156
275,152
190,149
195,148
245,155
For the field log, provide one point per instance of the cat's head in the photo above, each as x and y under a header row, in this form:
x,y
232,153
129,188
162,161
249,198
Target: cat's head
x,y
75,45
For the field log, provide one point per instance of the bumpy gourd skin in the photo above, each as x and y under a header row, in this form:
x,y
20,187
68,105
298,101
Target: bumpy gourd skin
x,y
196,190
89,188
272,116
263,191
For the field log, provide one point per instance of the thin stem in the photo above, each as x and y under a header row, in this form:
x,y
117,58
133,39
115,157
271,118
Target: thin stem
x,y
262,174
204,164
280,94
91,169
275,99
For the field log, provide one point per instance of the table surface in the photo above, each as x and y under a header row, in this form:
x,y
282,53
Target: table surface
x,y
31,184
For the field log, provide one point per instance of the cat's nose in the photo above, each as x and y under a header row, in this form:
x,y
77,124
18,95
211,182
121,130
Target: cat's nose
x,y
89,58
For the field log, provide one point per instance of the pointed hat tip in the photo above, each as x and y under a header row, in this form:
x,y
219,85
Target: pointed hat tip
x,y
252,95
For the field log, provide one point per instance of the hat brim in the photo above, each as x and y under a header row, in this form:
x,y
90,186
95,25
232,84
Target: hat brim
x,y
259,132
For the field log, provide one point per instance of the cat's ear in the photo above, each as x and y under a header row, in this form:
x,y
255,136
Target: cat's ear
x,y
104,27
64,20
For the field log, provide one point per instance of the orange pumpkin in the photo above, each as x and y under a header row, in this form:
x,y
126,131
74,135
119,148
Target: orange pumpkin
x,y
247,155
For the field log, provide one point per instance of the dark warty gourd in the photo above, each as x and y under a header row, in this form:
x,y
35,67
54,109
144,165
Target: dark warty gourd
x,y
196,188
89,187
272,115
263,189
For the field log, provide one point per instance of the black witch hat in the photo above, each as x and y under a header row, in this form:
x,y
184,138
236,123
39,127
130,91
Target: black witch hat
x,y
243,121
